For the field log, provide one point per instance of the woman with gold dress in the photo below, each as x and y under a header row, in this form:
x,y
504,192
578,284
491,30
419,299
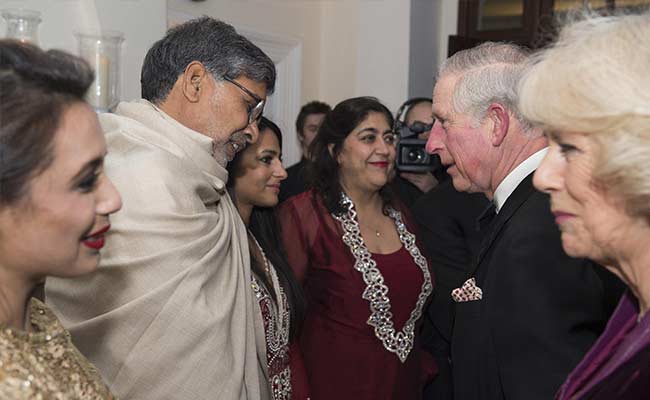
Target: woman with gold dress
x,y
55,203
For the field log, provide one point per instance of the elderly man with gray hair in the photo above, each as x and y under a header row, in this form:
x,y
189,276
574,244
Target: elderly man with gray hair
x,y
527,312
170,313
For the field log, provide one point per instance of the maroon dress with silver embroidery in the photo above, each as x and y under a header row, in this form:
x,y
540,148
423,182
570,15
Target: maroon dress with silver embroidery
x,y
344,359
276,334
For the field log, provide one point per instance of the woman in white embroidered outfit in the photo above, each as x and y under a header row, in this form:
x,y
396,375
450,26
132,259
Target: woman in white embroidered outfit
x,y
256,174
54,206
353,248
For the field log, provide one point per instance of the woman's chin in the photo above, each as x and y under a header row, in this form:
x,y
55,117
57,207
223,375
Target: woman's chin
x,y
574,248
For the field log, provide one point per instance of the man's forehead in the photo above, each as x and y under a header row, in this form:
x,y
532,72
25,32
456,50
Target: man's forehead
x,y
444,86
314,116
419,112
314,119
443,91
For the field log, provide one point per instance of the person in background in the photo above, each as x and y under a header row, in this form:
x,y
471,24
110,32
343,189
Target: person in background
x,y
55,203
171,312
353,248
309,120
418,118
256,176
526,313
591,93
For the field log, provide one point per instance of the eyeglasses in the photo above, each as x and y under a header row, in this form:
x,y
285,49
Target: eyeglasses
x,y
255,113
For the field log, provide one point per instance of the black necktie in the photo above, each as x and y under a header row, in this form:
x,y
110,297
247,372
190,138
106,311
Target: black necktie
x,y
486,217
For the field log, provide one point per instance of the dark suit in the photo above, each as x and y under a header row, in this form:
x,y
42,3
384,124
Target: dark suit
x,y
407,192
447,220
540,312
296,181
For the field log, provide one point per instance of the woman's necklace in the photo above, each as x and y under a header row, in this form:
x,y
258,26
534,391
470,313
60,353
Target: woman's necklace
x,y
277,332
376,292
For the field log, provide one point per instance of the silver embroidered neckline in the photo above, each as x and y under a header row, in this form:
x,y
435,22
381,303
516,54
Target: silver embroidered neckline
x,y
277,333
376,292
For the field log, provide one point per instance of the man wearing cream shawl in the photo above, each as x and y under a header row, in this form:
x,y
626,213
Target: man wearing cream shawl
x,y
170,313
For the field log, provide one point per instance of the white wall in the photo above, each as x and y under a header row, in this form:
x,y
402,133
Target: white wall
x,y
141,21
447,24
339,41
383,50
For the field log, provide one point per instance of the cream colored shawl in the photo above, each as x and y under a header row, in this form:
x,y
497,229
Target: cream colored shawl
x,y
170,313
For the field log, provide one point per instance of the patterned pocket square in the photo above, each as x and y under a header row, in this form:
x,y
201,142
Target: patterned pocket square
x,y
468,292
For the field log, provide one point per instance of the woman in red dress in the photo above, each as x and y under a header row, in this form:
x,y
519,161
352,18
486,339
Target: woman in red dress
x,y
255,177
352,247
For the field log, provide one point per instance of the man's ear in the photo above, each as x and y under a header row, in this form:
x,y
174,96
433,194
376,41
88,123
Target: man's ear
x,y
194,76
500,123
330,148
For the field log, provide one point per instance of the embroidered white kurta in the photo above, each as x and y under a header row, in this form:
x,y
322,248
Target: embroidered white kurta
x,y
170,313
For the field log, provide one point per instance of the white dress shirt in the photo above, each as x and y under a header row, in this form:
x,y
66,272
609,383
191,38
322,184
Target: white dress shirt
x,y
514,178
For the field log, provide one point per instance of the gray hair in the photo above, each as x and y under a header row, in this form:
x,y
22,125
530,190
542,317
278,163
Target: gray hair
x,y
488,73
216,44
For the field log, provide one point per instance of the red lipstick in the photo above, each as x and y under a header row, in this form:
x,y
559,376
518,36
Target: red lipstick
x,y
380,164
96,239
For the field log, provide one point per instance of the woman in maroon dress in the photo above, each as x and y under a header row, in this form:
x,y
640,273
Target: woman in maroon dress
x,y
352,246
255,177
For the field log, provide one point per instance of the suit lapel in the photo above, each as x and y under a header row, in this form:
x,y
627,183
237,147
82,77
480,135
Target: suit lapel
x,y
512,204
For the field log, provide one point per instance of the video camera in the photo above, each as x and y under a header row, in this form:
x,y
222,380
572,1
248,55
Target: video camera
x,y
411,153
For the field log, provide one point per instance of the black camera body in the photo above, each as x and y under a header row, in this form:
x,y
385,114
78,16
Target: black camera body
x,y
412,156
411,153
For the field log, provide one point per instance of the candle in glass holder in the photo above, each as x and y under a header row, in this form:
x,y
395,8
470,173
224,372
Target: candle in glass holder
x,y
22,24
99,92
102,51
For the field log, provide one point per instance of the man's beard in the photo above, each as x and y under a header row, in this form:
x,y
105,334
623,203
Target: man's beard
x,y
226,152
219,154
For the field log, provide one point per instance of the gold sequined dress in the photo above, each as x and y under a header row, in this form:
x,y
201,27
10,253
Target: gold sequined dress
x,y
44,364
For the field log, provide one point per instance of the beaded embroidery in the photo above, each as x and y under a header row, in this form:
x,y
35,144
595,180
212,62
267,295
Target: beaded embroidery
x,y
44,364
376,292
276,318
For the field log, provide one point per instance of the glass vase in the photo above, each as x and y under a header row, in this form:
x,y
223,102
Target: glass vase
x,y
22,24
102,51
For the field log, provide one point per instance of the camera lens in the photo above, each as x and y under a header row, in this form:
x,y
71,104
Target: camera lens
x,y
415,155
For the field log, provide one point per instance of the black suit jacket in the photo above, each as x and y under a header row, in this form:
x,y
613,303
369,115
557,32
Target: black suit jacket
x,y
447,220
296,181
541,310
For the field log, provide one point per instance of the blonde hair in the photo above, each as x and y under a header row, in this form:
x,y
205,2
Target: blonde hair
x,y
596,80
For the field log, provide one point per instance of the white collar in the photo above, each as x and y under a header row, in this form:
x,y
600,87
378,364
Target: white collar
x,y
514,178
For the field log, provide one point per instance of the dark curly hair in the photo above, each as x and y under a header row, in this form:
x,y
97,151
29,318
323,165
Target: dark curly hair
x,y
323,172
36,87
